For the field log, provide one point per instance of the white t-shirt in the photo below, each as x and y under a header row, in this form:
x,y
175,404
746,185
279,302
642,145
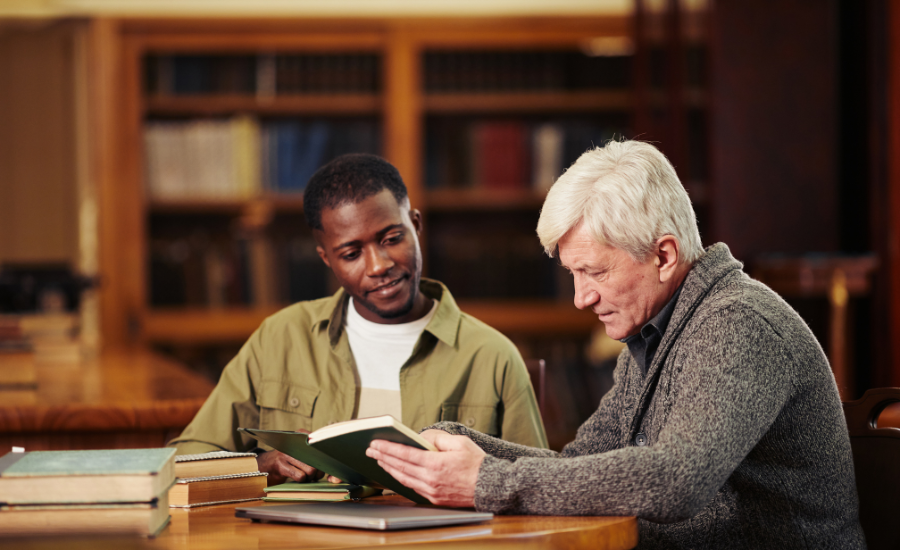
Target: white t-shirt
x,y
380,351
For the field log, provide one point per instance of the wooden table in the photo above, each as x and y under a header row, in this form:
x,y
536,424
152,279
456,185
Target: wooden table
x,y
215,527
128,399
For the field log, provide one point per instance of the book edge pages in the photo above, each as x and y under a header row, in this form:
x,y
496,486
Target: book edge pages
x,y
199,504
186,480
213,455
361,424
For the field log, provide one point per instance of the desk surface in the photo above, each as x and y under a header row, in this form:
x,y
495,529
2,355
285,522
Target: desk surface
x,y
215,527
134,391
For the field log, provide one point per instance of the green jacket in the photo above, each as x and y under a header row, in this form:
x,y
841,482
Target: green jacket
x,y
297,372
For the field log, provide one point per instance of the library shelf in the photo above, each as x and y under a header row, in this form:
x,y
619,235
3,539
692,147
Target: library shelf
x,y
481,198
527,102
286,203
341,104
197,326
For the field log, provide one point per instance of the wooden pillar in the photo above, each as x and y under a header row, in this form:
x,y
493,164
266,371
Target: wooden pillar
x,y
403,139
893,219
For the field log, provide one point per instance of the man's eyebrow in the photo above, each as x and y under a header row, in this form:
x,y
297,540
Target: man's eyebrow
x,y
380,233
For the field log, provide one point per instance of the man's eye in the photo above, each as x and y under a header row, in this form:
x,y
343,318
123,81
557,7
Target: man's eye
x,y
393,239
350,256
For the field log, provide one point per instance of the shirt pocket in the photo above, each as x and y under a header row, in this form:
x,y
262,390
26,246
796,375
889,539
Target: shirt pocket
x,y
285,406
478,417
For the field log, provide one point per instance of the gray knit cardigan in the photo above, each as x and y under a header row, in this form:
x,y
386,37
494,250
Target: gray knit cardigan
x,y
746,442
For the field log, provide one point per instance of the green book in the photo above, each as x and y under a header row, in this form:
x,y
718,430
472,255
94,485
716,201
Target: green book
x,y
340,450
57,477
324,491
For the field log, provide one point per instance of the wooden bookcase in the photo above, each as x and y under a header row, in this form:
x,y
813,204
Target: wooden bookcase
x,y
403,107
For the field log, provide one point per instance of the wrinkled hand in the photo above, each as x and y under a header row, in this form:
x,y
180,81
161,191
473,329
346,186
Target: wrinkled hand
x,y
282,468
446,478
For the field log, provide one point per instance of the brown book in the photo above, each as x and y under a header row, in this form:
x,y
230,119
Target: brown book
x,y
218,463
142,518
202,491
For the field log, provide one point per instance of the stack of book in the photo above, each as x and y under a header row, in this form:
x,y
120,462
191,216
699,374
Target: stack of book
x,y
216,478
121,491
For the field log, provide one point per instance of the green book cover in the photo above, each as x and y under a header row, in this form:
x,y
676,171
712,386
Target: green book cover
x,y
80,463
115,475
322,491
340,450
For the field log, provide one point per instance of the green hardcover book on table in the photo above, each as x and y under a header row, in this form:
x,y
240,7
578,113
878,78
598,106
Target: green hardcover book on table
x,y
324,491
61,477
340,450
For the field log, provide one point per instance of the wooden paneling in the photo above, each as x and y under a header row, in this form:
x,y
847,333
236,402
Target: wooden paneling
x,y
893,220
774,131
38,187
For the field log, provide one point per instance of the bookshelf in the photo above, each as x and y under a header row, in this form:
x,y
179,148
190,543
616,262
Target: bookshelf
x,y
407,84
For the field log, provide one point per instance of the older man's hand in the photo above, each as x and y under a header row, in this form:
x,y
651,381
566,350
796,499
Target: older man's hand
x,y
446,478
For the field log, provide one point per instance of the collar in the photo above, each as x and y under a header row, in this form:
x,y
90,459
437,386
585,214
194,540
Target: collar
x,y
444,325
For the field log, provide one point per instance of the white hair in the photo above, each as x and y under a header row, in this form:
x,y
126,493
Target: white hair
x,y
628,196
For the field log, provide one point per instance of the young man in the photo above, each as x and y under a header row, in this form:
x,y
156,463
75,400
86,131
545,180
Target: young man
x,y
388,342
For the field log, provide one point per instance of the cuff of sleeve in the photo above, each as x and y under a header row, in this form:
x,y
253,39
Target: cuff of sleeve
x,y
495,489
452,428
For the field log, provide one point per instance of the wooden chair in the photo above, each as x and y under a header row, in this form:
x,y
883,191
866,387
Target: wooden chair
x,y
876,459
537,370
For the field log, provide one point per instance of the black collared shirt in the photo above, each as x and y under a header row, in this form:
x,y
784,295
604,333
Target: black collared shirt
x,y
643,344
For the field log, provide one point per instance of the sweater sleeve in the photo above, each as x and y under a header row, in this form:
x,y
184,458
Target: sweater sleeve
x,y
731,389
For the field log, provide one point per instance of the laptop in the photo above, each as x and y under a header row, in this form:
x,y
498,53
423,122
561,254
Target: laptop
x,y
361,516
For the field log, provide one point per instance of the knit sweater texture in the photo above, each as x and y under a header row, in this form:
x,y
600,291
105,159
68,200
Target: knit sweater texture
x,y
746,442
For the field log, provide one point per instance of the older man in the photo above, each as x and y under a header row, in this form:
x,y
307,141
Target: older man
x,y
723,428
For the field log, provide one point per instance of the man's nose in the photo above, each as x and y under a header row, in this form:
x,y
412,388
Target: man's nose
x,y
378,262
584,295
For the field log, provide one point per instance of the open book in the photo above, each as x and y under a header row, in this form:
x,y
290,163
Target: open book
x,y
340,449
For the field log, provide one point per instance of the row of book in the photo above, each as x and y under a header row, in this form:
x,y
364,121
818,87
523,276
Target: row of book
x,y
360,72
239,271
494,256
242,157
264,74
507,154
476,71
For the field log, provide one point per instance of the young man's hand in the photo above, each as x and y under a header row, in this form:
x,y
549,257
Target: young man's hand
x,y
282,468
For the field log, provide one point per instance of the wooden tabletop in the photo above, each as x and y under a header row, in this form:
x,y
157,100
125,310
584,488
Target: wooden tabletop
x,y
117,397
215,527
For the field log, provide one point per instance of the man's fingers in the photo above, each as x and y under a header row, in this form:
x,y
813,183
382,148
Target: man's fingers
x,y
403,452
413,483
398,463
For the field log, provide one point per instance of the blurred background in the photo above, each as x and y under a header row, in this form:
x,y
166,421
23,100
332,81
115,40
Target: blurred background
x,y
153,156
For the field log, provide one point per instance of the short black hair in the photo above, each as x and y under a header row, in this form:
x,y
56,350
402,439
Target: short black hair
x,y
349,179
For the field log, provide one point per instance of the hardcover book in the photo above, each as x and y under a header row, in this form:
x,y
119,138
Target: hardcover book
x,y
57,477
340,450
217,463
323,491
132,518
204,491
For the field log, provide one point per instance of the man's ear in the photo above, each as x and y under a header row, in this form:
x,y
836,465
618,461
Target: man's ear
x,y
322,255
668,254
416,218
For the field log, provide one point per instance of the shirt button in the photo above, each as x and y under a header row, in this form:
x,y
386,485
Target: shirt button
x,y
294,402
640,439
470,421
